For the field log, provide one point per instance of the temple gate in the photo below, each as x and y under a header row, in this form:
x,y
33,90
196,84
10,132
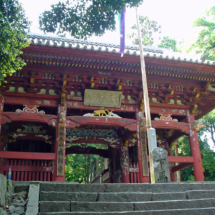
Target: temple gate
x,y
73,92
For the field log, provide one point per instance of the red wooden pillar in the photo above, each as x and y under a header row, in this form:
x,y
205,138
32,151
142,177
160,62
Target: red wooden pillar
x,y
110,165
1,110
1,144
172,174
195,150
124,160
142,151
59,171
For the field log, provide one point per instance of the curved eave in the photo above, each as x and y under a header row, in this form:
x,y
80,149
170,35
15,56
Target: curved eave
x,y
149,52
172,65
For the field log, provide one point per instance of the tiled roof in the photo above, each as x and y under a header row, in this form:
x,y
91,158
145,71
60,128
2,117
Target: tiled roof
x,y
150,52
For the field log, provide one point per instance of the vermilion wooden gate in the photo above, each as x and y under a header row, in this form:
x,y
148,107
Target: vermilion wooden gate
x,y
28,170
134,173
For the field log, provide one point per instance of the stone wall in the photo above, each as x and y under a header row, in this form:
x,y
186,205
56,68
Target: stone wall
x,y
6,193
3,192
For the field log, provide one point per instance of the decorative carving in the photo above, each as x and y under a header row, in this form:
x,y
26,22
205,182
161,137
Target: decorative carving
x,y
169,132
124,160
73,138
196,125
133,141
17,135
163,144
31,129
194,109
211,88
62,117
91,132
46,137
63,98
32,77
111,140
165,117
142,121
103,113
102,98
60,149
27,109
100,112
197,112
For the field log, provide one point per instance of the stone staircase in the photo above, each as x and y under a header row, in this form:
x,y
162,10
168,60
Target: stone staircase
x,y
138,199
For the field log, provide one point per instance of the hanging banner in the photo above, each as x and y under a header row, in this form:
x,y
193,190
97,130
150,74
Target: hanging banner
x,y
122,31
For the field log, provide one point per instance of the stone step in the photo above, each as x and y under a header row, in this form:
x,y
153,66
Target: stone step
x,y
154,188
200,194
113,197
192,211
68,196
20,186
66,206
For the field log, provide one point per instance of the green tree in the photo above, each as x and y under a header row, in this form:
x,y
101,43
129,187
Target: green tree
x,y
148,28
208,159
78,166
13,37
209,121
75,168
206,38
167,43
83,18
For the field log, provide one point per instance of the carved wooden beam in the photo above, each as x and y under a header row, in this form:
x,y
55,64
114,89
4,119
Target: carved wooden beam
x,y
181,166
101,152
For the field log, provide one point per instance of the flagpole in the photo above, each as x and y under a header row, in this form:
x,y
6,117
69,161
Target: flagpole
x,y
144,80
151,133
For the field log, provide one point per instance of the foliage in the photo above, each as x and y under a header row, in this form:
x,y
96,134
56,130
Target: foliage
x,y
83,18
78,166
13,36
206,38
75,168
209,121
167,43
208,155
148,28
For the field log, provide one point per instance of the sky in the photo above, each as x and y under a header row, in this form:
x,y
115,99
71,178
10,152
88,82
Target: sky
x,y
175,17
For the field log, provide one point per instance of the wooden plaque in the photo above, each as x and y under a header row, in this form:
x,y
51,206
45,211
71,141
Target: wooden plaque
x,y
60,150
102,98
144,154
